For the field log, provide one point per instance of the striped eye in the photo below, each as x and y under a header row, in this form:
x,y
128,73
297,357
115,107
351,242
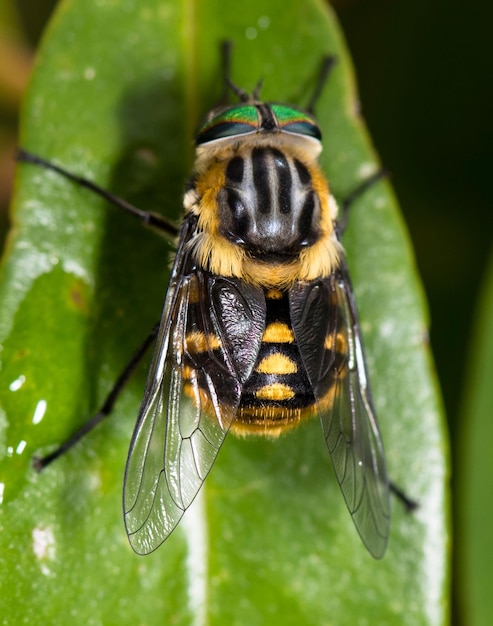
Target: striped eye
x,y
291,120
237,120
247,119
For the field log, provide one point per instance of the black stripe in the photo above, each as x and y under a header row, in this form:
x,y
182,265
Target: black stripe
x,y
303,173
305,223
241,221
234,171
278,310
260,168
234,202
285,182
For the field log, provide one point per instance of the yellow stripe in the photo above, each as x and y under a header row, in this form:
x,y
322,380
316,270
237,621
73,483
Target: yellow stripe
x,y
277,363
197,341
273,294
340,343
276,391
278,332
193,292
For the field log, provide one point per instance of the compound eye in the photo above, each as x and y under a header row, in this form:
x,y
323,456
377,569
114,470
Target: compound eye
x,y
237,120
295,121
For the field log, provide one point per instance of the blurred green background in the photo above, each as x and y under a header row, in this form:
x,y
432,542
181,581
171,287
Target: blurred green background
x,y
424,73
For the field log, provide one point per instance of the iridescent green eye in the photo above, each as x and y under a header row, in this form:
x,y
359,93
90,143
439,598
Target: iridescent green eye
x,y
293,120
246,119
237,120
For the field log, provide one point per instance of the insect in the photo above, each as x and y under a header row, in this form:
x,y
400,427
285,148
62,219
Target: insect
x,y
259,329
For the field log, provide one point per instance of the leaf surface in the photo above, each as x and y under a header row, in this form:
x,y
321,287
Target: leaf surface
x,y
117,93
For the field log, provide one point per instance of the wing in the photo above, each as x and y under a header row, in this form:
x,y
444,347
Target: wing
x,y
192,394
325,322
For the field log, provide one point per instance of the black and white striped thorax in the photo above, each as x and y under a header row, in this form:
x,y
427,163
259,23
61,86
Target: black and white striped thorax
x,y
268,204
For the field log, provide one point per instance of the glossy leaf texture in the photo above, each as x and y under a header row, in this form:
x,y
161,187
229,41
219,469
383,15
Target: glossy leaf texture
x,y
475,478
118,90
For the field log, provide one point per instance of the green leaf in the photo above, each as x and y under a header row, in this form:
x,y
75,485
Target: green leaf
x,y
475,478
118,90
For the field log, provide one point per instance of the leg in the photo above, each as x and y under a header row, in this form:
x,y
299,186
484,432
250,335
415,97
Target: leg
x,y
328,63
410,505
359,191
148,218
40,463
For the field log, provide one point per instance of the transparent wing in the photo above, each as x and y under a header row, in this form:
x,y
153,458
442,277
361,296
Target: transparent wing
x,y
332,351
176,439
191,398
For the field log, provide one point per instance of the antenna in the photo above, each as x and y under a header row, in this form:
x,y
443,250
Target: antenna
x,y
226,49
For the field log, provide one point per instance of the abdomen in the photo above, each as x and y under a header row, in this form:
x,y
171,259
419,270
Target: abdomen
x,y
277,395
